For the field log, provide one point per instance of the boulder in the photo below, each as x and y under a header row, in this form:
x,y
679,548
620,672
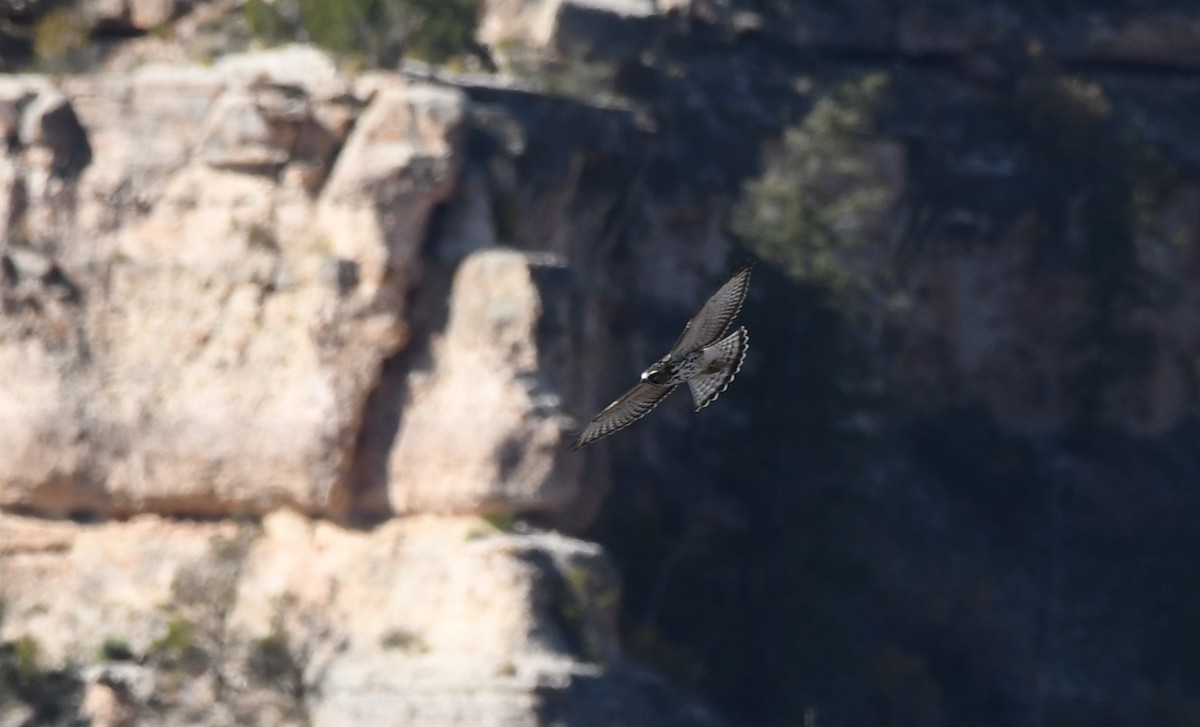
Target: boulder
x,y
181,295
254,129
132,15
400,162
606,30
424,620
482,429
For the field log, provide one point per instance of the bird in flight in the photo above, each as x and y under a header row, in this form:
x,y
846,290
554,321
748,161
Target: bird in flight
x,y
704,358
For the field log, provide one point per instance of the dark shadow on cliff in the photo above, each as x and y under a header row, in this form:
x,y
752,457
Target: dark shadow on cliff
x,y
825,545
427,311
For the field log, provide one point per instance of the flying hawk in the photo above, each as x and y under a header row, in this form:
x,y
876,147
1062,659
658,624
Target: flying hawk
x,y
701,358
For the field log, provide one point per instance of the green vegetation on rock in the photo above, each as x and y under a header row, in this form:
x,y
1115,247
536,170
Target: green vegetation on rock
x,y
114,648
373,32
403,640
51,694
826,193
177,642
61,38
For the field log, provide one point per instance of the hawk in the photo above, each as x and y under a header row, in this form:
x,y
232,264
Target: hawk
x,y
702,358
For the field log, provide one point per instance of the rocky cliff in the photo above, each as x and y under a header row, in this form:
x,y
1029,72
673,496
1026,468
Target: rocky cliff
x,y
292,352
249,308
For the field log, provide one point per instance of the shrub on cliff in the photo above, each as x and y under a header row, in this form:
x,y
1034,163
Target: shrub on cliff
x,y
375,32
826,193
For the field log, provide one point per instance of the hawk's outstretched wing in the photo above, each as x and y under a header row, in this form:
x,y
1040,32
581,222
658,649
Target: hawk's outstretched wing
x,y
710,323
723,360
635,404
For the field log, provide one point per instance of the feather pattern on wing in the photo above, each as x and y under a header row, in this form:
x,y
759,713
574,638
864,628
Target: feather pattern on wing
x,y
714,318
633,405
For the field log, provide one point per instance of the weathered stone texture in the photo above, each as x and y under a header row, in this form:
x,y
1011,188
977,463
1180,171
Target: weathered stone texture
x,y
171,298
424,620
481,431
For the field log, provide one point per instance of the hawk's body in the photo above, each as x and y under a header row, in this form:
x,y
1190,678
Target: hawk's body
x,y
701,358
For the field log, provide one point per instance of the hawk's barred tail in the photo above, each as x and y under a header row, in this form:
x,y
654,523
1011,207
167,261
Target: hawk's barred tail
x,y
726,357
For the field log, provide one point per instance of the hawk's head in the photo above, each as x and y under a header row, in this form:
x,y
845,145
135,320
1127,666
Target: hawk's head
x,y
659,372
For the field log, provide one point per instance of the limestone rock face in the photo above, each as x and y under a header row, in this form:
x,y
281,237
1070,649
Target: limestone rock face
x,y
596,29
431,621
168,298
133,14
401,161
193,326
481,431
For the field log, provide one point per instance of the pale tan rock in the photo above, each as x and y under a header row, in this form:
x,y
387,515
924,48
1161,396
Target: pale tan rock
x,y
132,159
108,704
69,587
482,430
130,684
254,129
133,14
46,452
598,28
529,22
13,95
293,65
426,620
421,608
16,715
148,14
190,329
401,160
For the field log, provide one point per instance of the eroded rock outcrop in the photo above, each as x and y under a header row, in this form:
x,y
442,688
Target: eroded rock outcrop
x,y
483,429
596,29
169,297
134,15
194,324
424,620
296,300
